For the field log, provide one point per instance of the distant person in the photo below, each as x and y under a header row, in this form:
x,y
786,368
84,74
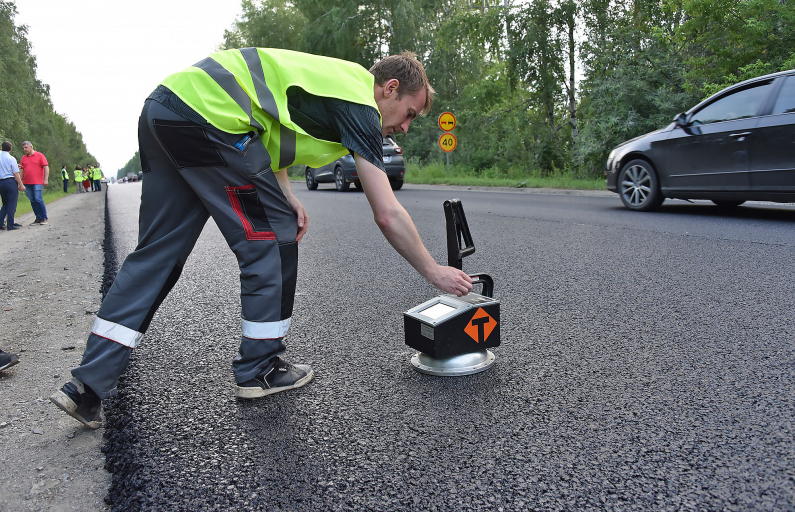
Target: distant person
x,y
98,178
35,176
90,176
86,179
7,360
65,176
10,187
215,141
78,180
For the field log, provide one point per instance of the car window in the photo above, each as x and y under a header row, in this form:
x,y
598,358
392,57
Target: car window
x,y
740,104
786,98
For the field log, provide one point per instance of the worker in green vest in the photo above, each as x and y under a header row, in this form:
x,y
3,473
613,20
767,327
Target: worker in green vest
x,y
215,140
65,177
78,180
97,177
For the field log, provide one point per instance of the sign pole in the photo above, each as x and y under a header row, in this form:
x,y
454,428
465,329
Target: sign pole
x,y
448,162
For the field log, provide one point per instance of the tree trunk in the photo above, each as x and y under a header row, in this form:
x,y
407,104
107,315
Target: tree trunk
x,y
572,96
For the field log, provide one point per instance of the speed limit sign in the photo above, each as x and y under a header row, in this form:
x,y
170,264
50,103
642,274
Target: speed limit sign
x,y
448,142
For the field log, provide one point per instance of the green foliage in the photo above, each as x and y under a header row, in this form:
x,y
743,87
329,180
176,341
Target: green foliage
x,y
726,41
507,75
26,112
635,80
132,166
437,174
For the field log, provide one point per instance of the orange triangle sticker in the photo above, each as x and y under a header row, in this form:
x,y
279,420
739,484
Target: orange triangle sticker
x,y
480,326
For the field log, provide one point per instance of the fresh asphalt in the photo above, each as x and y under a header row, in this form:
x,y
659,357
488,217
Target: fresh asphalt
x,y
647,363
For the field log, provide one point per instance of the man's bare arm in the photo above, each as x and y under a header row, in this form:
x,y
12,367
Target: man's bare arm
x,y
46,174
398,228
18,179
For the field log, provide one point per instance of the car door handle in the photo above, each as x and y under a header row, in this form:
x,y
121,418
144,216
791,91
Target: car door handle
x,y
740,136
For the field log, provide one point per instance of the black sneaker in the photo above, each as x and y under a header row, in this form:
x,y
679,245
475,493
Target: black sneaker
x,y
80,402
7,360
281,377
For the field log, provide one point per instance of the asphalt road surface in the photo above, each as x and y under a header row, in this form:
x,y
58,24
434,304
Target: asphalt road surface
x,y
647,363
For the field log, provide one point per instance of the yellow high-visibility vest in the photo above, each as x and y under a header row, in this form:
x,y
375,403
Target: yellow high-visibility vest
x,y
244,90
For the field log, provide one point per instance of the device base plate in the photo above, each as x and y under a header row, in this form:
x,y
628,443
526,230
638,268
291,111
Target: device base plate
x,y
464,364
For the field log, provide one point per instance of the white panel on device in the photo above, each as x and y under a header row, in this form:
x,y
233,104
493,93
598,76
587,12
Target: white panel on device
x,y
436,311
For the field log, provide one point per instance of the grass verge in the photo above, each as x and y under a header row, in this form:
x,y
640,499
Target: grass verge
x,y
437,174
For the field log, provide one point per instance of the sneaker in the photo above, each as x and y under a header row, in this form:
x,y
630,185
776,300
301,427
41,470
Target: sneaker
x,y
80,402
35,222
42,222
7,360
281,377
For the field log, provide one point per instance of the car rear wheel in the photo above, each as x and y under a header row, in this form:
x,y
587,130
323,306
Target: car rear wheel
x,y
339,180
727,204
311,184
396,184
638,186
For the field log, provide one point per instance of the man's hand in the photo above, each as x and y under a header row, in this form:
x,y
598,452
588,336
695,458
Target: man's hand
x,y
295,204
303,218
20,187
451,280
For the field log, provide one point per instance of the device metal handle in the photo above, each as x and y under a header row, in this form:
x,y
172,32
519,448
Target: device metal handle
x,y
486,281
459,239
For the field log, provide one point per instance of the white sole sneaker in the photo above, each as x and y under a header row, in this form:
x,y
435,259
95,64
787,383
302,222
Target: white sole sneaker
x,y
257,392
68,406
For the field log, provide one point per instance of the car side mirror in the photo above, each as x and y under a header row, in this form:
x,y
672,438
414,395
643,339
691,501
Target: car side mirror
x,y
681,120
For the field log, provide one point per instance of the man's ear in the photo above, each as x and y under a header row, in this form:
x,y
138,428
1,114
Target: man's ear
x,y
391,87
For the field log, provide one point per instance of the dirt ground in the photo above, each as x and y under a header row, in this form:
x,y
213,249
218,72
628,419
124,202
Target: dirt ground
x,y
50,279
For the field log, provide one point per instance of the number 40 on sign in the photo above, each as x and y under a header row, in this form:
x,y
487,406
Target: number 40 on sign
x,y
448,142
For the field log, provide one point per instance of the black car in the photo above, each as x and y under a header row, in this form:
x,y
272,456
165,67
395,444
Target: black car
x,y
737,145
343,170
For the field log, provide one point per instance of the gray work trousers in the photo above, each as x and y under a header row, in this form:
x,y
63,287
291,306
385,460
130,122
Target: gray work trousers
x,y
194,172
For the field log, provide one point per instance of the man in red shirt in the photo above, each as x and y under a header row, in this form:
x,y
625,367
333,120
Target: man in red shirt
x,y
35,175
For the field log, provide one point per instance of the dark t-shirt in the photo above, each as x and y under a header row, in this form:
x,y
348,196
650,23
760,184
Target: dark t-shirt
x,y
356,127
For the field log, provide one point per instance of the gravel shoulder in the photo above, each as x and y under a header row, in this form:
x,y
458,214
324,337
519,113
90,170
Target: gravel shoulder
x,y
50,278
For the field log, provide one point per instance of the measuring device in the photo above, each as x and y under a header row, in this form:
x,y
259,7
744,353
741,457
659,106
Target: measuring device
x,y
453,334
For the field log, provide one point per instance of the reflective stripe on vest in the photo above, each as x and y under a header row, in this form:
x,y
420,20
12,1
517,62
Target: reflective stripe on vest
x,y
264,94
235,90
228,83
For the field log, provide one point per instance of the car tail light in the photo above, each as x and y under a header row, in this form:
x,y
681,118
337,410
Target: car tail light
x,y
398,150
354,173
